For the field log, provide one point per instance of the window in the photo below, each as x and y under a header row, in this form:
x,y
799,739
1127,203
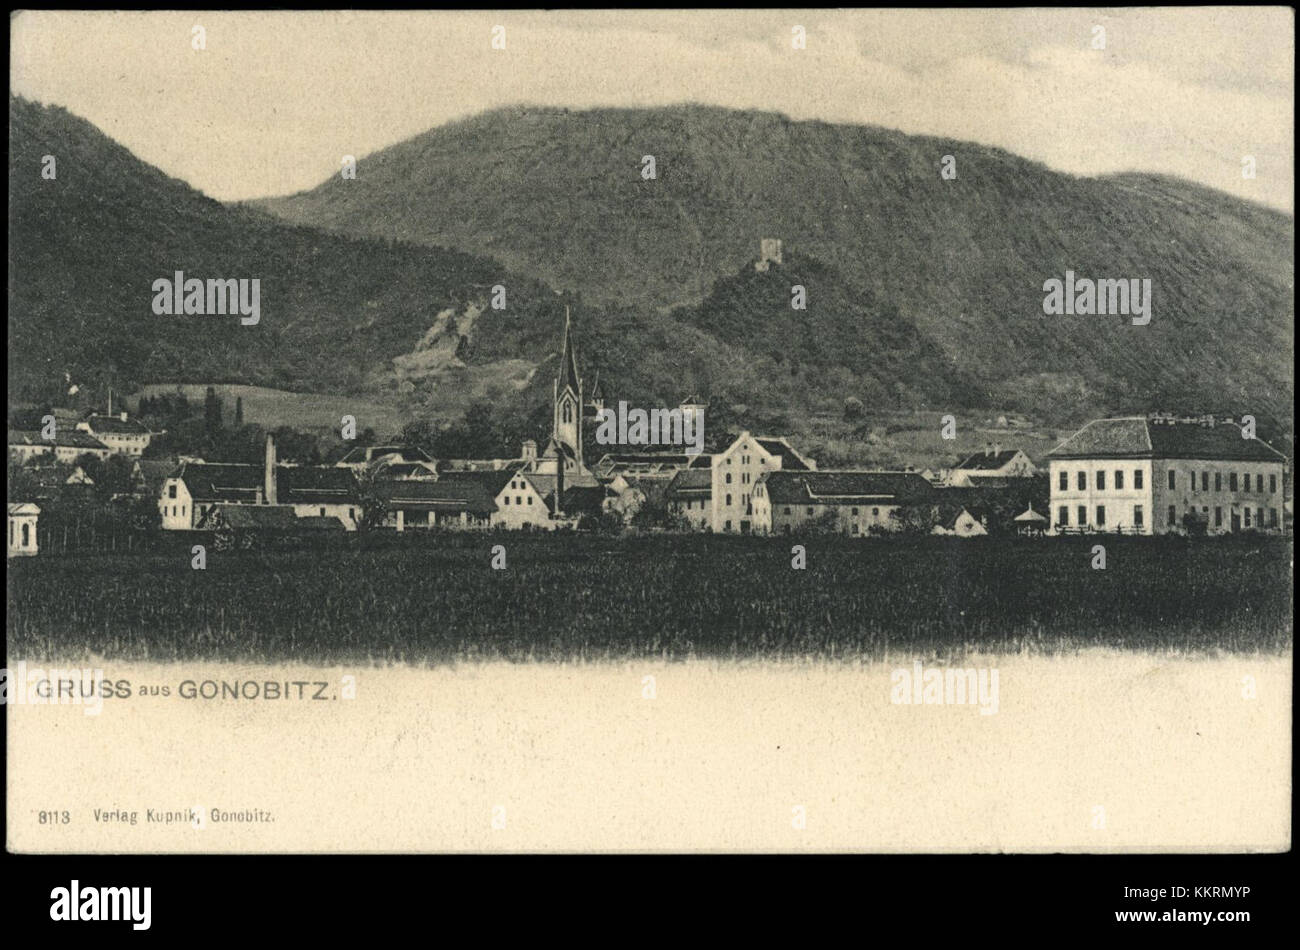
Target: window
x,y
171,491
1119,479
1245,481
1272,484
728,478
728,501
1205,481
1063,516
1259,517
1101,516
1191,480
1101,481
322,512
1259,482
1137,516
1083,481
507,499
1218,481
1218,517
855,527
1137,478
1232,481
787,509
855,512
726,525
1272,517
1245,517
530,499
1173,478
1065,480
810,509
1083,515
875,512
1173,516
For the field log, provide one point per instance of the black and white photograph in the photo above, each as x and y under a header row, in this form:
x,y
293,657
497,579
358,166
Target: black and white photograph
x,y
620,432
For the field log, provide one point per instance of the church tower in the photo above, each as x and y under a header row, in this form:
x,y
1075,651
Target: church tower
x,y
567,426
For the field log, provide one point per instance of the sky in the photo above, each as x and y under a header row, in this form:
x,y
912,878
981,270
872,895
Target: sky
x,y
275,100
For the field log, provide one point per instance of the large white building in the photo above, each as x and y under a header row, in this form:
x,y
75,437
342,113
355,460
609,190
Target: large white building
x,y
1159,475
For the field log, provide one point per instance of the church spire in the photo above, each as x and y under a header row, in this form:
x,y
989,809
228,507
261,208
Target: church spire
x,y
568,361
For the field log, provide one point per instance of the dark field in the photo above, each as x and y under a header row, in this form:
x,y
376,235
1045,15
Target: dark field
x,y
434,598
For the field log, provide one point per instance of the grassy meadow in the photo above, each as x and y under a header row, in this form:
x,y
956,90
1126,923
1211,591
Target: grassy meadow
x,y
435,598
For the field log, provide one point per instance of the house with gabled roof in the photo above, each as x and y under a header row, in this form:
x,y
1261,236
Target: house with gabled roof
x,y
122,435
461,503
1162,474
310,491
857,503
992,466
67,445
736,470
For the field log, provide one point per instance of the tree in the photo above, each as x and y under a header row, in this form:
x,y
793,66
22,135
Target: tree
x,y
853,409
914,519
211,413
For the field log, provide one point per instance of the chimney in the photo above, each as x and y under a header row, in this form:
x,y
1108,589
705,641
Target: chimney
x,y
997,448
268,472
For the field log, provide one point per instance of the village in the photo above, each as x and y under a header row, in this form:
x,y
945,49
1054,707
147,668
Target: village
x,y
1145,475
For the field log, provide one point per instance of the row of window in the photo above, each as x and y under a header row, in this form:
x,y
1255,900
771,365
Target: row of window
x,y
520,500
1232,481
1081,481
1081,512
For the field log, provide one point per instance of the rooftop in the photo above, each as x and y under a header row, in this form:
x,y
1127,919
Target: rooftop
x,y
1141,437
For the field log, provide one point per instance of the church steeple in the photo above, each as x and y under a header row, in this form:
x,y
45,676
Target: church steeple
x,y
567,426
568,361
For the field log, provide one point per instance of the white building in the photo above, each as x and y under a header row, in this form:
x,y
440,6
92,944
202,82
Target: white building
x,y
1158,475
122,435
22,519
993,463
736,470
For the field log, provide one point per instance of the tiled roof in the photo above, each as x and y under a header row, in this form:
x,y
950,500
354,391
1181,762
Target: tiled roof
x,y
691,482
492,482
1137,437
208,481
989,461
294,484
68,438
790,459
116,425
446,494
364,454
846,488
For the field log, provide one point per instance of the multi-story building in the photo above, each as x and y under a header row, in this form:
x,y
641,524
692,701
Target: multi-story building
x,y
1158,474
122,435
735,472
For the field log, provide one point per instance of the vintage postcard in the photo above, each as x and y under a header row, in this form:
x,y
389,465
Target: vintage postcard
x,y
650,431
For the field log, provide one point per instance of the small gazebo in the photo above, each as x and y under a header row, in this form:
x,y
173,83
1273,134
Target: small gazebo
x,y
1030,522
